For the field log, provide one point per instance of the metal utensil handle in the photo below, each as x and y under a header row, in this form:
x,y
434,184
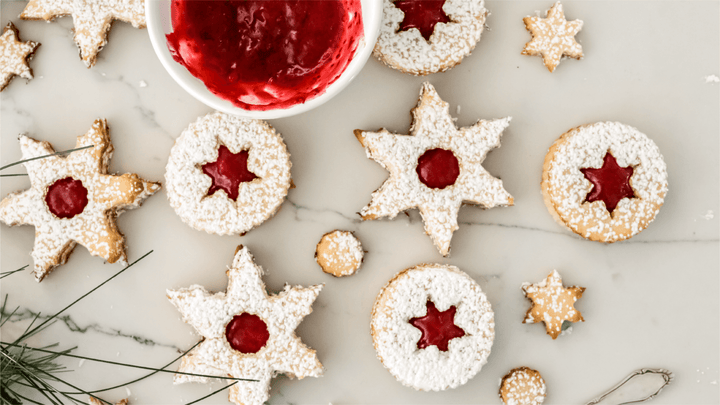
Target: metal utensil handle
x,y
666,375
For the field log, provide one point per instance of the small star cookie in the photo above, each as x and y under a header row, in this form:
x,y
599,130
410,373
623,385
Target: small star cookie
x,y
74,200
15,56
247,333
553,37
92,19
436,168
522,386
553,303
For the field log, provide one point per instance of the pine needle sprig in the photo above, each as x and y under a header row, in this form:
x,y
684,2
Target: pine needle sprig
x,y
10,273
62,152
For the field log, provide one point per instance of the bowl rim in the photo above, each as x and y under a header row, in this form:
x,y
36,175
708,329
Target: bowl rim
x,y
372,19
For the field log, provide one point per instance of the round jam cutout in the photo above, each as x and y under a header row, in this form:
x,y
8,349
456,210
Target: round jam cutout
x,y
66,197
228,171
438,168
247,333
422,14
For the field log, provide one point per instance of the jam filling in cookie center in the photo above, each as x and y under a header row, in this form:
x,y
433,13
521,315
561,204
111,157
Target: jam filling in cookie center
x,y
247,333
438,168
422,14
611,183
228,171
66,197
437,328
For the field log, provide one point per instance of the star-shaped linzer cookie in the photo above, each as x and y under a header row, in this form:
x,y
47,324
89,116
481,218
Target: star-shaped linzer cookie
x,y
92,19
247,333
14,56
436,168
553,37
553,303
74,200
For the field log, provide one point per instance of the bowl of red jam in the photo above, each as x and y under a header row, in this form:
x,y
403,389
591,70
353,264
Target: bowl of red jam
x,y
263,58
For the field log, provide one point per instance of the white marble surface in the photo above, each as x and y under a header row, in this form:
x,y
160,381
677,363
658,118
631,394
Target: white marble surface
x,y
652,301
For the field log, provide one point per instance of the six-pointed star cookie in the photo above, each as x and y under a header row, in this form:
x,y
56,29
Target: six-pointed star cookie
x,y
14,56
74,200
248,333
436,168
553,37
92,19
553,303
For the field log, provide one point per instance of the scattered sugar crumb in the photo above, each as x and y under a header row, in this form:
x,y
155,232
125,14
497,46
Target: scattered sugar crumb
x,y
118,354
103,74
40,77
458,109
712,79
81,362
713,382
127,391
709,215
142,83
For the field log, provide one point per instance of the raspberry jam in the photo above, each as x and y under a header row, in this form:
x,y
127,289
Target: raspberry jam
x,y
422,14
247,333
263,55
437,328
438,168
228,171
611,183
66,197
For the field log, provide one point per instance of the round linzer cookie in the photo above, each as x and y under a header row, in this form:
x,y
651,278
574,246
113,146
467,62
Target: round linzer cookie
x,y
432,327
339,253
74,200
423,37
522,386
227,175
604,181
247,333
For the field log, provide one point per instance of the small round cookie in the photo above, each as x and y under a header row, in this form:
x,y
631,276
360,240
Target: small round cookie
x,y
604,181
423,37
432,327
339,253
227,175
522,386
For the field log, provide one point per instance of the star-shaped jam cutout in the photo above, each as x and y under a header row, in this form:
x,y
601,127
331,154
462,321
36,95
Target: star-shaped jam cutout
x,y
553,37
435,142
611,183
438,328
422,14
74,200
553,303
228,171
92,19
14,56
246,332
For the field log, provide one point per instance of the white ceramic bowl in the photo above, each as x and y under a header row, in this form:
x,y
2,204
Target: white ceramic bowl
x,y
159,24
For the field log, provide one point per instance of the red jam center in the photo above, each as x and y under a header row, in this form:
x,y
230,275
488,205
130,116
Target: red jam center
x,y
263,55
66,197
437,328
228,171
247,333
438,168
611,183
422,14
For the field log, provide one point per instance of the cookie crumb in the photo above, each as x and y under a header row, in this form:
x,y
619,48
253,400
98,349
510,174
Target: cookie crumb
x,y
709,215
143,83
712,79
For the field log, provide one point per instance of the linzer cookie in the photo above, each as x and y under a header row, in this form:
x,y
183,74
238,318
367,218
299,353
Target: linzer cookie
x,y
553,303
15,56
423,37
522,386
92,19
339,253
432,327
553,37
226,174
74,200
436,168
246,332
604,181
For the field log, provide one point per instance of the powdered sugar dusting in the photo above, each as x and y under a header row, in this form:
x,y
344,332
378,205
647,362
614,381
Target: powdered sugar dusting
x,y
523,386
14,56
210,313
450,42
395,339
565,187
257,201
339,253
94,228
92,19
433,128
